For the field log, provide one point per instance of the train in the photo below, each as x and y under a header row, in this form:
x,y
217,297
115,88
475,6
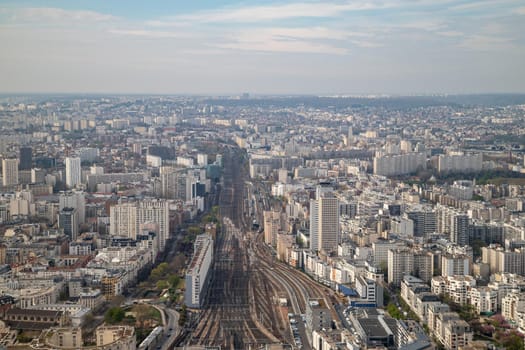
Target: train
x,y
153,340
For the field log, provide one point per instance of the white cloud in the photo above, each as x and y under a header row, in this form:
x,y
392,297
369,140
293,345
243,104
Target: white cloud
x,y
450,33
297,46
293,40
520,10
57,15
486,43
148,33
305,33
279,12
480,5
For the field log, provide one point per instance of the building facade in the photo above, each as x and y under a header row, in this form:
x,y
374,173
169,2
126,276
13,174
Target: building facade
x,y
73,172
197,274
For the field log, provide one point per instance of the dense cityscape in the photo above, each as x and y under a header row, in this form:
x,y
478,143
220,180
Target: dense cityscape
x,y
262,222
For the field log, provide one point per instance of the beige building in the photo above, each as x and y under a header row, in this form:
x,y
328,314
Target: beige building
x,y
91,298
324,222
284,242
500,260
65,337
456,333
112,286
127,218
116,337
454,264
432,313
107,338
9,172
272,224
400,262
423,265
37,295
381,248
513,307
451,331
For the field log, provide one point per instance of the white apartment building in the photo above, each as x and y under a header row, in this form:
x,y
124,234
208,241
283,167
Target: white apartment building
x,y
74,199
399,164
484,299
460,163
127,219
454,264
456,287
197,273
73,172
380,250
400,262
463,189
202,159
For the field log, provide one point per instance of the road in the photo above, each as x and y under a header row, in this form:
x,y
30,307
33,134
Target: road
x,y
171,329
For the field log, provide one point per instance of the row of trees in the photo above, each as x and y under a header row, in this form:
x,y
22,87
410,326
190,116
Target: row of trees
x,y
166,276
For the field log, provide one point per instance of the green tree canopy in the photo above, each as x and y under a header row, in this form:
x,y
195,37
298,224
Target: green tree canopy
x,y
114,315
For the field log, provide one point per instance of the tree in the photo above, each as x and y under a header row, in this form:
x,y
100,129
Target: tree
x,y
173,281
114,315
394,312
194,230
512,341
142,313
162,284
159,272
183,315
179,262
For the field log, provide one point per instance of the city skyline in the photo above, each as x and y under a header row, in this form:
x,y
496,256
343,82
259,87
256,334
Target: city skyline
x,y
297,47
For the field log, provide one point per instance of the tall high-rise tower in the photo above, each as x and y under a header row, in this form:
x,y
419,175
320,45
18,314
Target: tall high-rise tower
x,y
272,224
9,172
26,158
400,262
324,222
73,172
68,221
74,199
126,219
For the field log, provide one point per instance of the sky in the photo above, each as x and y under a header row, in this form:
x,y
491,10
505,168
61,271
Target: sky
x,y
262,47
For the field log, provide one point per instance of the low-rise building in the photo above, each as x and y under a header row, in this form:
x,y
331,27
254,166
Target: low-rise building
x,y
318,315
107,338
25,319
456,287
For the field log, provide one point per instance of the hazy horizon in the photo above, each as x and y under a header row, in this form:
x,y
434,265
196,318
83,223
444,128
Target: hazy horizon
x,y
210,48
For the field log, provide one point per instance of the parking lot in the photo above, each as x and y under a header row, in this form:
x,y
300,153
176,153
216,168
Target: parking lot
x,y
298,327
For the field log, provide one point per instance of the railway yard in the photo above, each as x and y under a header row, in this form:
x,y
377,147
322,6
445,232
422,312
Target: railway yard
x,y
242,309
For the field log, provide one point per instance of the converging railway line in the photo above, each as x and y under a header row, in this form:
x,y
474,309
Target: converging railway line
x,y
228,318
242,309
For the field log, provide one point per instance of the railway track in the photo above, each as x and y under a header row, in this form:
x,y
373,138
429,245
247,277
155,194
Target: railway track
x,y
229,318
242,311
